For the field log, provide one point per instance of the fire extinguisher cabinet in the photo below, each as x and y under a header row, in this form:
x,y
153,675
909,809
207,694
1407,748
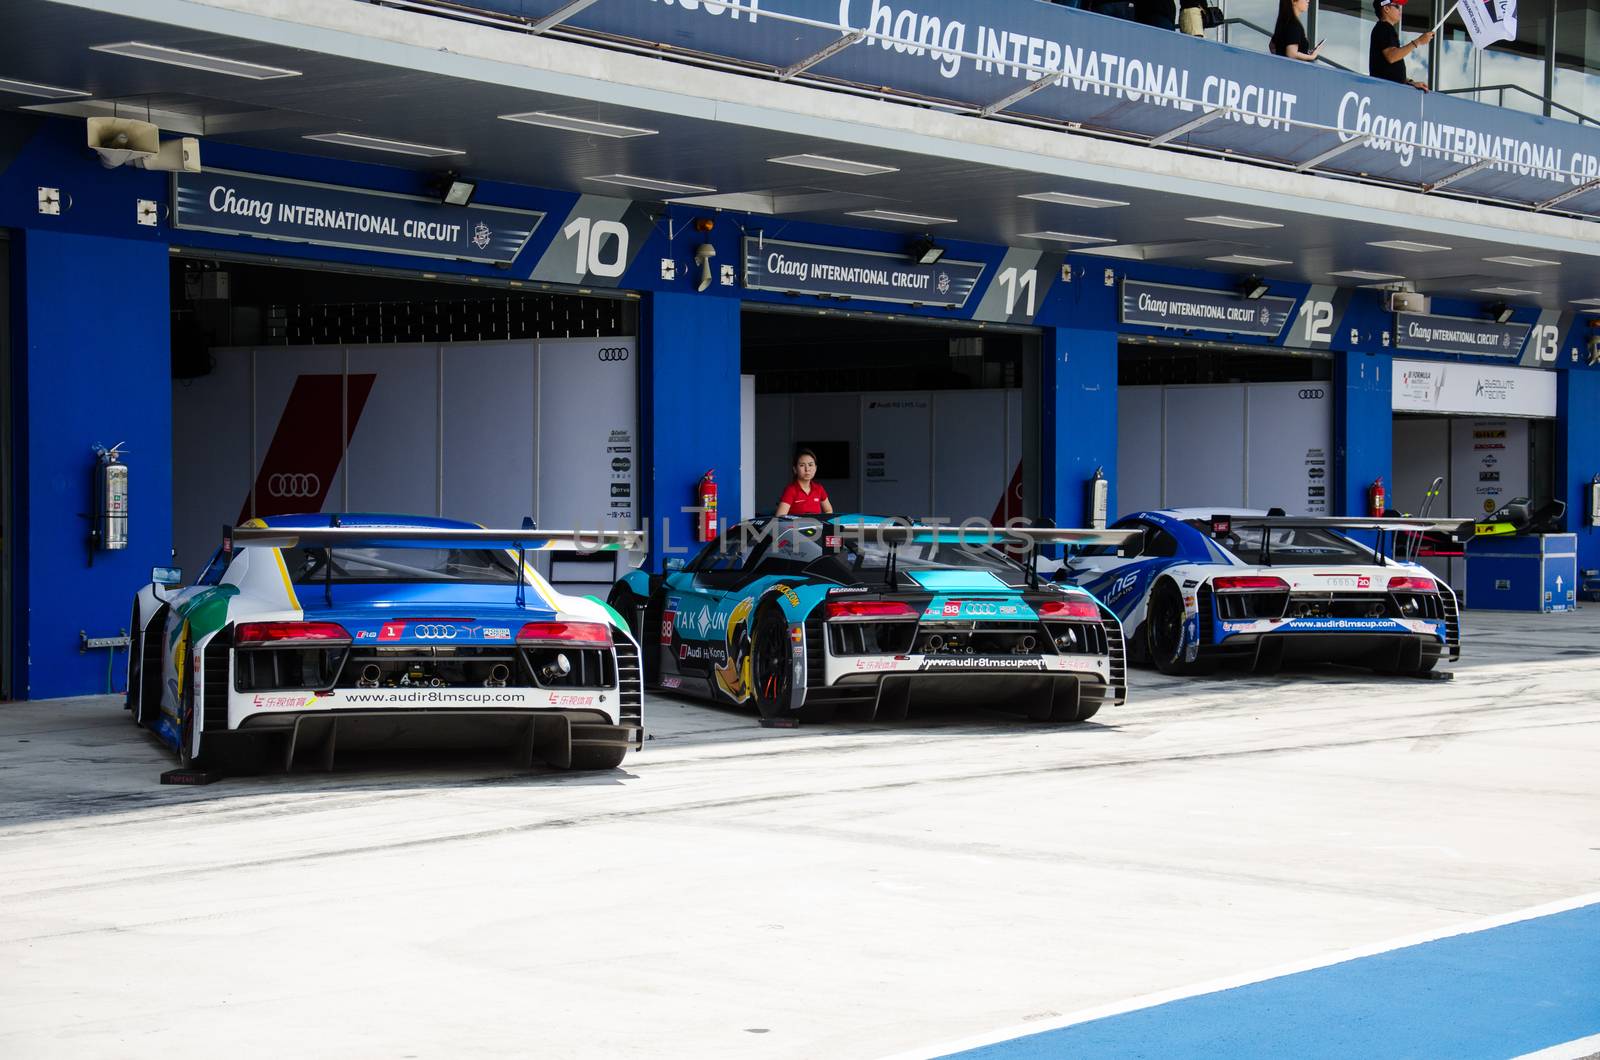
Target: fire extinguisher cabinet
x,y
1538,572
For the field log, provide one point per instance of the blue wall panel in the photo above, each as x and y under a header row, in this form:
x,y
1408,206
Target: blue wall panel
x,y
1577,446
93,352
1079,420
1363,428
689,414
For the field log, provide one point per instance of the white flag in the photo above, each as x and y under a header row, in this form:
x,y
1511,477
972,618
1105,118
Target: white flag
x,y
1487,28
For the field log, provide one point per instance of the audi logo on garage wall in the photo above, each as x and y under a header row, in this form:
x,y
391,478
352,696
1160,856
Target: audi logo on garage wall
x,y
613,353
287,485
1313,393
427,631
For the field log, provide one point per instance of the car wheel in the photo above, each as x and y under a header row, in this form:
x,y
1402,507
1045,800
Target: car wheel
x,y
597,758
1164,632
188,757
771,670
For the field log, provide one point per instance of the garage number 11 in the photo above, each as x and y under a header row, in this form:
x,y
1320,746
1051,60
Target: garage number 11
x,y
597,254
1017,284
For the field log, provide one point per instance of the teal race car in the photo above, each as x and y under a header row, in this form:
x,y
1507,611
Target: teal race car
x,y
799,617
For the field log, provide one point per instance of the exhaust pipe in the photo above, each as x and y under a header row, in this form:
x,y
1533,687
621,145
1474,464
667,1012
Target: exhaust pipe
x,y
556,669
370,675
499,674
934,642
1025,645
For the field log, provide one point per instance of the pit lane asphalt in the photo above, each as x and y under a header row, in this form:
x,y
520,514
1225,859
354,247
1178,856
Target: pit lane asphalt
x,y
848,890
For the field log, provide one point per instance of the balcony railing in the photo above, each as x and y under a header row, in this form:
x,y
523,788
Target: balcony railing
x,y
1059,67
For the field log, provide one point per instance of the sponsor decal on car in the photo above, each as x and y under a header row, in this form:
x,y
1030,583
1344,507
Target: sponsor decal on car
x,y
1075,663
282,702
958,663
496,633
571,701
874,665
672,682
788,594
668,620
838,589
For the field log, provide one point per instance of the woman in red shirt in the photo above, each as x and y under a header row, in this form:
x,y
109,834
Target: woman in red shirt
x,y
804,496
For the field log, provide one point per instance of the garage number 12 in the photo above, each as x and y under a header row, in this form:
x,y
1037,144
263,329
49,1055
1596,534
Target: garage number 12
x,y
597,255
1016,283
1316,318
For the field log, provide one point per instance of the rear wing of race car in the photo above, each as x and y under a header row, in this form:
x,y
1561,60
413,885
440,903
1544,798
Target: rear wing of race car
x,y
1223,524
522,541
1030,537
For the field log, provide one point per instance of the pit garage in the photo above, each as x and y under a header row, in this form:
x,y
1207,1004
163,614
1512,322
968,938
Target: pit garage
x,y
1213,425
300,389
907,418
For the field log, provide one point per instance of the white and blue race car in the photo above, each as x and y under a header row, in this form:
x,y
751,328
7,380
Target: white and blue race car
x,y
1199,588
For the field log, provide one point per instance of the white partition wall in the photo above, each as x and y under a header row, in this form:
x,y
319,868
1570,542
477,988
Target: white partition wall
x,y
1205,447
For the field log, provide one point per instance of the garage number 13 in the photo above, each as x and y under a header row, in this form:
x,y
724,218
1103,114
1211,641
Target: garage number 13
x,y
599,255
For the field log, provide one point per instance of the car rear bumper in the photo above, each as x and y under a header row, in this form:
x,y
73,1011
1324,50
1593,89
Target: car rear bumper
x,y
1037,696
1383,650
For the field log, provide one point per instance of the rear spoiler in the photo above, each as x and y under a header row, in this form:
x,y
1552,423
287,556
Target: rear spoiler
x,y
1222,523
378,536
1029,536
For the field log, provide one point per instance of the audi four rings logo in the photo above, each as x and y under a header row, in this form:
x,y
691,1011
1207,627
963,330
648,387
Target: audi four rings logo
x,y
614,353
432,632
1312,394
285,485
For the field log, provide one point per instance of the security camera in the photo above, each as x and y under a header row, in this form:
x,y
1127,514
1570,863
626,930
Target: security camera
x,y
120,141
702,257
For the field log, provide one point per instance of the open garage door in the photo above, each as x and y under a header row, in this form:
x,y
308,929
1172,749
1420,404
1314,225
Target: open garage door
x,y
906,419
489,418
1207,426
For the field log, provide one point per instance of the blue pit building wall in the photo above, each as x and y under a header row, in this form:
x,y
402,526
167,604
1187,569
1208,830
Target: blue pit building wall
x,y
90,364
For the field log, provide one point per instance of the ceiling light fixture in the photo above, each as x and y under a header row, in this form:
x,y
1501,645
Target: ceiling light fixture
x,y
1064,237
578,125
1061,198
1586,301
924,251
1508,291
451,190
1224,221
666,187
1407,245
378,143
901,218
1521,262
1249,259
1365,275
214,64
1499,312
29,88
1253,287
834,165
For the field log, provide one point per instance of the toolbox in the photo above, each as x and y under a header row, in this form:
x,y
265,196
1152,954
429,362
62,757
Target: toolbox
x,y
1536,572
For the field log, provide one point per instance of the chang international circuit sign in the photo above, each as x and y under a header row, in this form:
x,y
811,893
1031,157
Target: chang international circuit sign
x,y
1161,305
249,204
834,272
1486,338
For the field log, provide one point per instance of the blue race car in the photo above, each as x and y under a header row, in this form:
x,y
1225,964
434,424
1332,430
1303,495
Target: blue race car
x,y
800,617
307,633
1198,588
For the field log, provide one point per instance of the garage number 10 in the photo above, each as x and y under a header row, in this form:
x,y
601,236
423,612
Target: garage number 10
x,y
597,254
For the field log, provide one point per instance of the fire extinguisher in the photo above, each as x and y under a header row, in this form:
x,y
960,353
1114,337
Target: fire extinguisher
x,y
1376,498
706,494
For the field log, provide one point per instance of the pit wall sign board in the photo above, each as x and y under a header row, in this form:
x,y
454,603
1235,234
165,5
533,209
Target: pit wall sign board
x,y
1253,445
488,432
1472,389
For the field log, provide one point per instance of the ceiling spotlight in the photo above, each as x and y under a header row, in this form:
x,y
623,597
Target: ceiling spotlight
x,y
924,251
451,189
1499,312
1253,287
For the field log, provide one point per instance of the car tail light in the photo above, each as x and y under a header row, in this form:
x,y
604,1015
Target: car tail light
x,y
869,610
1068,609
1410,584
565,633
1249,583
289,634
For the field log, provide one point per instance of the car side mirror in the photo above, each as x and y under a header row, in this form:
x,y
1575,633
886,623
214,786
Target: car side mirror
x,y
674,564
166,577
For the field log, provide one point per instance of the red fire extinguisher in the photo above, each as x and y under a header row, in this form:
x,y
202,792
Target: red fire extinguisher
x,y
1376,498
706,493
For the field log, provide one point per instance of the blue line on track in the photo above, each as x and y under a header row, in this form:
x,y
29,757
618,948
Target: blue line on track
x,y
1493,994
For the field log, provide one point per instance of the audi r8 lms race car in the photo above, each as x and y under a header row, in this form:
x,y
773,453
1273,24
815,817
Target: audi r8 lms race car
x,y
1198,588
311,633
801,617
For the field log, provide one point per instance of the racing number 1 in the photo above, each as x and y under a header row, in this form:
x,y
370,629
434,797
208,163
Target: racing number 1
x,y
1015,284
591,236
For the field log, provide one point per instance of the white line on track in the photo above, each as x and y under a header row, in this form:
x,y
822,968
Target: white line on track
x,y
1575,1050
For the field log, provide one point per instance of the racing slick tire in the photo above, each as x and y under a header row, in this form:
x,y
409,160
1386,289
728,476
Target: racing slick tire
x,y
635,611
1164,633
771,671
587,759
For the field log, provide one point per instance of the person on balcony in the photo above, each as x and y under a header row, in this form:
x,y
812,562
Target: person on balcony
x,y
1386,56
1289,35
